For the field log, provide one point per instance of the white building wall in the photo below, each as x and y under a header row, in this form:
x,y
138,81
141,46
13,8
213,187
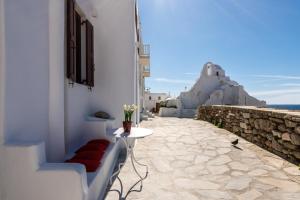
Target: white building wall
x,y
204,86
150,104
142,90
2,72
114,57
39,88
35,73
2,86
36,100
115,68
77,109
195,97
56,136
137,85
27,70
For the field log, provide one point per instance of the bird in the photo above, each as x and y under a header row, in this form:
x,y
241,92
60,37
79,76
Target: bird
x,y
235,142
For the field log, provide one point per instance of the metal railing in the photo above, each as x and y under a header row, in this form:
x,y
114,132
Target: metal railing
x,y
145,49
146,72
147,69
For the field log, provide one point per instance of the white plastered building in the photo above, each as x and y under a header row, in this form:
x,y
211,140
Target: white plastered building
x,y
46,111
151,98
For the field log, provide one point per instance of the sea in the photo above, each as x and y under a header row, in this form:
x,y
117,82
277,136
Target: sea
x,y
285,106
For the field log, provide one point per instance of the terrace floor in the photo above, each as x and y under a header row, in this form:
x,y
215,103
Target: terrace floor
x,y
190,159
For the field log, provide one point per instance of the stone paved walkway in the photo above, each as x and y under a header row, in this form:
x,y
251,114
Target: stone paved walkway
x,y
192,159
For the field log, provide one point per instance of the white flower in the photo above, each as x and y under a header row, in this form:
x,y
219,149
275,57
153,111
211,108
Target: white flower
x,y
130,108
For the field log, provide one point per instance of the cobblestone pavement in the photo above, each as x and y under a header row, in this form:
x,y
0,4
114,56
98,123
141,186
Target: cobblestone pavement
x,y
190,159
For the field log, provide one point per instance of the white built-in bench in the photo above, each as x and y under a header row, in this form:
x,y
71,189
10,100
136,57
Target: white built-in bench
x,y
30,177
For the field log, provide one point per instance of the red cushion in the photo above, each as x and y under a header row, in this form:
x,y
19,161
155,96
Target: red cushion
x,y
90,165
92,147
89,155
99,141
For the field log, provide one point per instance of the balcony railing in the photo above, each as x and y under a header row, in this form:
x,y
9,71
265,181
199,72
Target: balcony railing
x,y
144,52
146,72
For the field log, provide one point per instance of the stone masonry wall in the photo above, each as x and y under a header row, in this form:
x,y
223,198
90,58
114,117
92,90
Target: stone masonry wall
x,y
277,131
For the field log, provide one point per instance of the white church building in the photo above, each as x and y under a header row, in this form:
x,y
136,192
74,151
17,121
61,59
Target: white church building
x,y
213,87
60,62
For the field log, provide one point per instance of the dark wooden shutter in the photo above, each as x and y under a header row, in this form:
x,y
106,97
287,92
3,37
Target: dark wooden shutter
x,y
90,67
78,48
71,40
136,24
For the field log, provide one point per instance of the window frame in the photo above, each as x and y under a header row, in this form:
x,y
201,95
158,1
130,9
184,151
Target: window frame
x,y
76,20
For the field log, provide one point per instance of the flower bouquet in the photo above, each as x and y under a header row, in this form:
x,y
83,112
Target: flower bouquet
x,y
128,111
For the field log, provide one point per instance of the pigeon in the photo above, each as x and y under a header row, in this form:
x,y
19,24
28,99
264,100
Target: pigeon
x,y
235,142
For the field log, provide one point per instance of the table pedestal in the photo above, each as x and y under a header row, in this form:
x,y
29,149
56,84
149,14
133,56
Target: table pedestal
x,y
134,162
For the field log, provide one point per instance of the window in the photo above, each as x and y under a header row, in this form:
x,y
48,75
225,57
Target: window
x,y
80,47
159,98
150,98
217,73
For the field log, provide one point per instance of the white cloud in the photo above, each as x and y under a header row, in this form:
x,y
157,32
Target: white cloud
x,y
163,4
284,99
290,84
267,80
178,81
191,73
276,80
282,96
278,77
275,92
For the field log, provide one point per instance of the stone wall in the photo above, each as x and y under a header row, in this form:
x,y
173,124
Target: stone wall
x,y
277,131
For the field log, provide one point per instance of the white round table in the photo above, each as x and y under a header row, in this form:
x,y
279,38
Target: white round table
x,y
135,133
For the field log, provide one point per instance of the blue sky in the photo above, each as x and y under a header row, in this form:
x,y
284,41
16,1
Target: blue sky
x,y
257,43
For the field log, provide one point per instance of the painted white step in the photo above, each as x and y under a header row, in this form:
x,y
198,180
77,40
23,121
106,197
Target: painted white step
x,y
188,113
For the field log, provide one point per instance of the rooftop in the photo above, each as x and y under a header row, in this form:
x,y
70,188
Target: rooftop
x,y
191,159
